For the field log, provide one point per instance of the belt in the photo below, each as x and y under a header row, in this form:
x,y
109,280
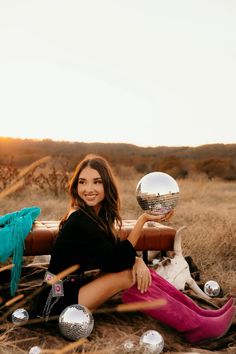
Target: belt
x,y
74,277
57,291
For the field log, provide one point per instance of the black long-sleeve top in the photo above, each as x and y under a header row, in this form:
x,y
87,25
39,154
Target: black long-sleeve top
x,y
81,241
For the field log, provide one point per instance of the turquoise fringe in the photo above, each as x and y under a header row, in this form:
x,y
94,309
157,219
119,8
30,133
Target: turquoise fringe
x,y
14,227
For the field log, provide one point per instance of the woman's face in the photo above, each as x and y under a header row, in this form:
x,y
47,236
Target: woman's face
x,y
90,188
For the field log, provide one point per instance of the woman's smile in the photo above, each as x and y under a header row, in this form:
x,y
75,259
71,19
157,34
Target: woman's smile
x,y
90,197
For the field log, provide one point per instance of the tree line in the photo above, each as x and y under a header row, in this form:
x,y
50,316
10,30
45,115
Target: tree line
x,y
213,160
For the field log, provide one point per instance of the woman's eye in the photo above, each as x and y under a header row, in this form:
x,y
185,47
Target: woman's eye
x,y
98,182
81,182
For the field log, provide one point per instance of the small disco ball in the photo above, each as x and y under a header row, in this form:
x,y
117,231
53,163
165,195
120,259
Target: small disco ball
x,y
128,346
76,322
35,350
157,193
212,288
20,316
151,342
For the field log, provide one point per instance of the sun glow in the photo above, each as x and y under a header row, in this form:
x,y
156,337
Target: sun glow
x,y
134,84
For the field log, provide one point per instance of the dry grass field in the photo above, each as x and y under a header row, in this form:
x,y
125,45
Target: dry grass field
x,y
206,207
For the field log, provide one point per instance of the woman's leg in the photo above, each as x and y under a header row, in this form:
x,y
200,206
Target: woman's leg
x,y
96,292
195,327
158,281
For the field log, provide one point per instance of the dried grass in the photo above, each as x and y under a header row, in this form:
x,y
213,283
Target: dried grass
x,y
18,182
206,207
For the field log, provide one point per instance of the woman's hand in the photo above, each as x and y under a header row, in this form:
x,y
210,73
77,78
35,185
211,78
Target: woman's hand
x,y
141,275
158,217
137,229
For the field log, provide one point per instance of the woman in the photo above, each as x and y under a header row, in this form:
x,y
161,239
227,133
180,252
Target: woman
x,y
88,237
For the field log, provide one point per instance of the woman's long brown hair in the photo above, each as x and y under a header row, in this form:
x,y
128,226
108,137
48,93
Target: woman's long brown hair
x,y
111,202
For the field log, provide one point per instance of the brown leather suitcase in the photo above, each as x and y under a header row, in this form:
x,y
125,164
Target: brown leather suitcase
x,y
154,236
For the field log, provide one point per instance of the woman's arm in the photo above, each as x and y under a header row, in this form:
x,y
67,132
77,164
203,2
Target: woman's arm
x,y
136,231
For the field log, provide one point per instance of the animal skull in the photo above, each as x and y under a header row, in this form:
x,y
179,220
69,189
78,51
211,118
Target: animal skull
x,y
176,269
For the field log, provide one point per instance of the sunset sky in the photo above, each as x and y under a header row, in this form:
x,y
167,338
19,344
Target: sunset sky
x,y
146,72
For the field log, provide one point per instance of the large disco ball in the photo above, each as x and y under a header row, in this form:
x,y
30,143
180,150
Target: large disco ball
x,y
76,322
157,193
151,342
20,316
212,288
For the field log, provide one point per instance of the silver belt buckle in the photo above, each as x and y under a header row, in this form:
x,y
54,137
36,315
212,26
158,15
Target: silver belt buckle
x,y
48,276
57,288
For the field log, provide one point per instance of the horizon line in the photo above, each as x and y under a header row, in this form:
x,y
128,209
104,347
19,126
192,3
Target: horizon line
x,y
111,142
